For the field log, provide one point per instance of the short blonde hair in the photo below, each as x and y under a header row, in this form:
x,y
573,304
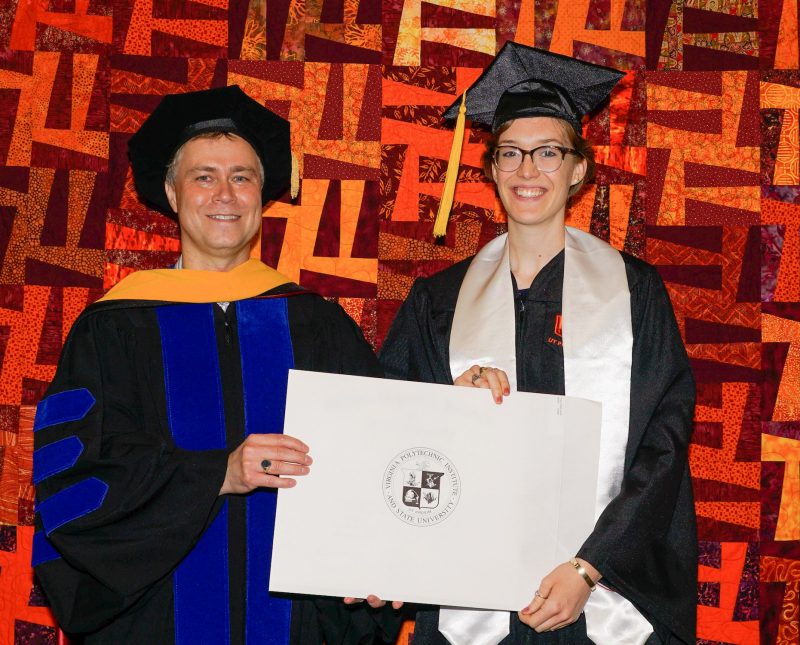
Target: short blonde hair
x,y
172,166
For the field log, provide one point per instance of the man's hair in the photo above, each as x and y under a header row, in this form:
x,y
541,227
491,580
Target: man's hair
x,y
576,141
172,166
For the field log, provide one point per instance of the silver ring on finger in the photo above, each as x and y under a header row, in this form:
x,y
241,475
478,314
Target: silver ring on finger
x,y
481,371
537,594
266,464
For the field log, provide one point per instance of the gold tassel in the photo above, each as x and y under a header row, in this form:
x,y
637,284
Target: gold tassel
x,y
294,186
446,202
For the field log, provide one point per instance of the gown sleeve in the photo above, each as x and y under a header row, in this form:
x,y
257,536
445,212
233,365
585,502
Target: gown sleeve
x,y
339,343
415,347
644,542
119,501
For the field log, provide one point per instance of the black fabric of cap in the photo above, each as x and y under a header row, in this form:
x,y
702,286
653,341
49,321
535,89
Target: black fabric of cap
x,y
524,81
179,117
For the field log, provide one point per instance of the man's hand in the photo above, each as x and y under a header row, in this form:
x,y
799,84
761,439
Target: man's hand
x,y
490,378
374,602
246,465
560,598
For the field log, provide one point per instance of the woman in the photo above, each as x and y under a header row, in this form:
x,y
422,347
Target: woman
x,y
554,310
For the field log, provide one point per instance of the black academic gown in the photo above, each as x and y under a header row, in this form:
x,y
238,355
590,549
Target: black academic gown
x,y
110,564
644,543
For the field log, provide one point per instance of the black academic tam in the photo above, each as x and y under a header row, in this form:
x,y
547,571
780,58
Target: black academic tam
x,y
180,117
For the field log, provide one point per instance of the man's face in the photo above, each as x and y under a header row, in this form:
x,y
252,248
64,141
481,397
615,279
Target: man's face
x,y
217,195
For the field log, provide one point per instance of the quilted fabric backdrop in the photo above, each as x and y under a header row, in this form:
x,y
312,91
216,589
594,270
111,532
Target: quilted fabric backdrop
x,y
699,173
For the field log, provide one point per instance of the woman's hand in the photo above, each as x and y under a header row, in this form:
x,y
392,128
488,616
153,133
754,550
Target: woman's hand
x,y
374,602
490,378
560,598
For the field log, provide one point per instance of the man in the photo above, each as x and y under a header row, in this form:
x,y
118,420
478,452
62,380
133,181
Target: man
x,y
158,446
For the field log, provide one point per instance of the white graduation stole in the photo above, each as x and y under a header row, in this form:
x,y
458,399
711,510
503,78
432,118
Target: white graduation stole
x,y
598,344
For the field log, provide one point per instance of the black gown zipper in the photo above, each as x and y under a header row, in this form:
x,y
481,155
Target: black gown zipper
x,y
228,333
520,331
232,393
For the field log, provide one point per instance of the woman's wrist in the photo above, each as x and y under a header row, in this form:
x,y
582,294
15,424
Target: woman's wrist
x,y
595,575
589,574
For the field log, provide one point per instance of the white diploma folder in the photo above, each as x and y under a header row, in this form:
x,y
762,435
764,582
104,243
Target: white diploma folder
x,y
433,493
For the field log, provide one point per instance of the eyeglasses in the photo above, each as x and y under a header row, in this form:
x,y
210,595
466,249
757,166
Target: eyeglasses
x,y
545,158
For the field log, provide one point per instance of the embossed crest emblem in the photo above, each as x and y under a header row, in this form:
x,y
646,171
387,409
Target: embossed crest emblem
x,y
421,486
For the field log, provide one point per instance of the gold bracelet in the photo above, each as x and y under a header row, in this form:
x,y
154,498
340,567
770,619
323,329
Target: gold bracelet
x,y
579,568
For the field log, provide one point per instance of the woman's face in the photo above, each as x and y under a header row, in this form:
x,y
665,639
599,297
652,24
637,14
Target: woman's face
x,y
532,197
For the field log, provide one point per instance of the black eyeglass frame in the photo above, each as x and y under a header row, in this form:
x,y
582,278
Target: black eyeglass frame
x,y
563,150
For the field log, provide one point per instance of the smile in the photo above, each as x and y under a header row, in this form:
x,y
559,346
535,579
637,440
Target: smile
x,y
528,193
224,218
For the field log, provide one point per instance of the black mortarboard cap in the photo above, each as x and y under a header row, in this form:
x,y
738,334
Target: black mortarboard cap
x,y
520,82
179,117
524,81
